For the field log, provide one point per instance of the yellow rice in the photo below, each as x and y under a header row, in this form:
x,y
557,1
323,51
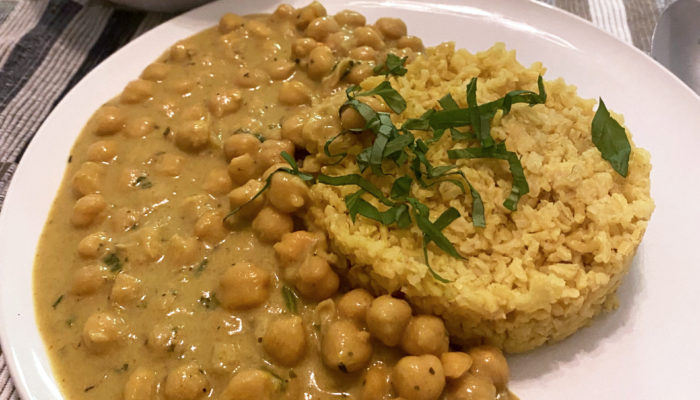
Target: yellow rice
x,y
532,276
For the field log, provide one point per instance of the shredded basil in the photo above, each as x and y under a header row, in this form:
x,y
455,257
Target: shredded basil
x,y
113,262
291,299
393,65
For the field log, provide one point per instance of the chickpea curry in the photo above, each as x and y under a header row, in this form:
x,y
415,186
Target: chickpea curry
x,y
147,290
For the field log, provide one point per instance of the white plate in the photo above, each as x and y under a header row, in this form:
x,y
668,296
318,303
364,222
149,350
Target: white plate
x,y
646,350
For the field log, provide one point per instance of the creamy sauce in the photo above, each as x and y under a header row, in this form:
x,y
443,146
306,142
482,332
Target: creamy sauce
x,y
141,285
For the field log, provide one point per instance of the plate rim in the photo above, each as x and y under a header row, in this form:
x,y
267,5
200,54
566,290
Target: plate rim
x,y
17,371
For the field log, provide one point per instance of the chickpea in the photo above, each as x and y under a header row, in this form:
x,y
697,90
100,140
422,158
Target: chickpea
x,y
271,152
307,14
123,219
103,331
217,181
155,72
358,73
377,104
302,47
192,136
169,164
271,224
377,384
471,387
321,27
137,91
243,168
280,69
250,78
195,206
387,318
229,22
340,42
109,120
224,101
345,347
316,280
455,364
102,151
294,93
88,179
186,382
239,144
295,246
210,228
410,42
180,51
259,29
139,127
292,128
489,363
351,119
243,286
241,196
368,36
321,61
288,193
284,11
86,209
195,112
350,18
93,245
418,377
181,86
391,28
285,340
249,385
126,289
162,338
87,280
363,53
183,250
425,334
354,305
141,385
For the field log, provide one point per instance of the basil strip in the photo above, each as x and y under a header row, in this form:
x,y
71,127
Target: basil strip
x,y
391,97
357,180
519,187
291,299
481,122
393,65
610,138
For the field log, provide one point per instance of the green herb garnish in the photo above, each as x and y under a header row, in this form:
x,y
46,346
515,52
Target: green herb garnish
x,y
143,182
201,267
291,299
282,382
113,262
57,302
393,65
208,300
610,138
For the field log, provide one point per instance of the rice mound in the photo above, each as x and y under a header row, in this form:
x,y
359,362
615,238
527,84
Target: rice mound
x,y
532,276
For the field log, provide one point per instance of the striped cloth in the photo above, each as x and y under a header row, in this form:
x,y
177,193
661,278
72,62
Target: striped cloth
x,y
47,46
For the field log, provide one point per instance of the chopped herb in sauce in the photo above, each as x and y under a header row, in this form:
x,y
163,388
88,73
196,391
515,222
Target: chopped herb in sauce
x,y
282,383
112,262
208,300
143,182
201,267
291,299
57,302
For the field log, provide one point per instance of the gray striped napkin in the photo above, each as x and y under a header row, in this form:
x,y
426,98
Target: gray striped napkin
x,y
47,46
